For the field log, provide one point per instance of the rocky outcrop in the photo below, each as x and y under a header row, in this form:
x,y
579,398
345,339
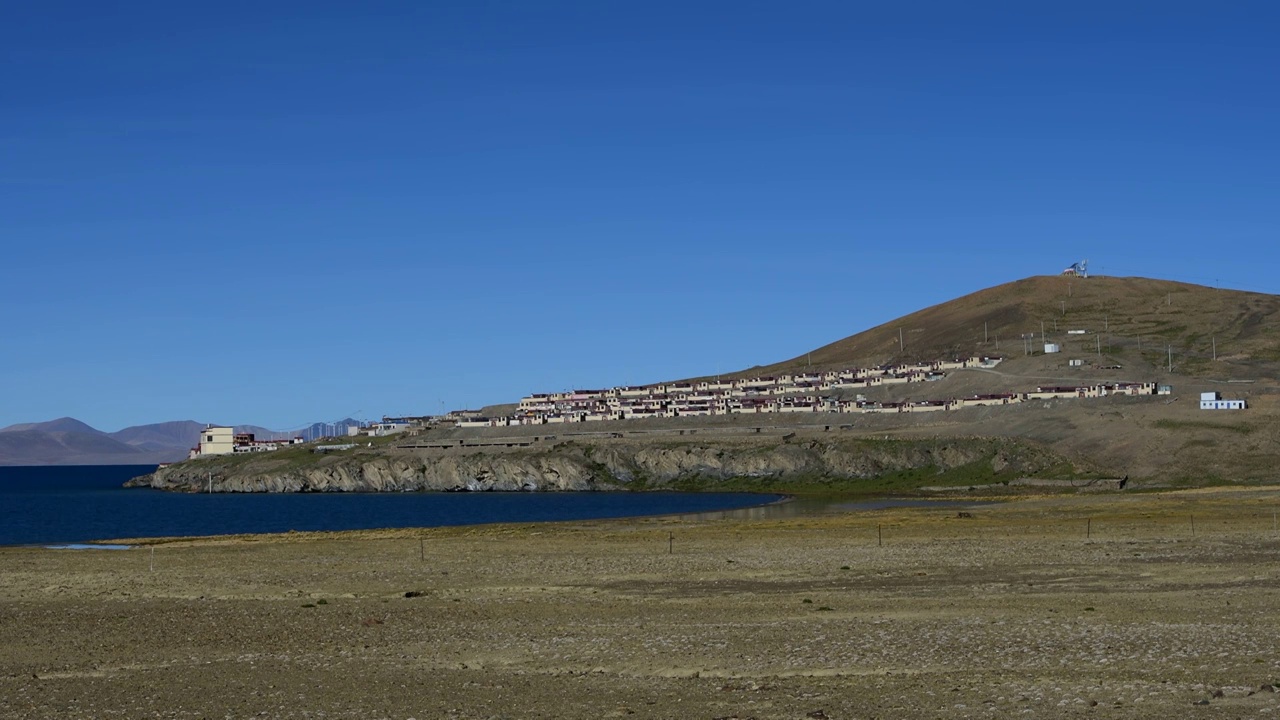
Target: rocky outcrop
x,y
606,466
374,473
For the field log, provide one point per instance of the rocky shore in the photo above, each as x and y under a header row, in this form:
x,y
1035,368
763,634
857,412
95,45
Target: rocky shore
x,y
614,465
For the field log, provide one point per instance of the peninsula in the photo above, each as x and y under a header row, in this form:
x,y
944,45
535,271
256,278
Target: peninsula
x,y
1052,378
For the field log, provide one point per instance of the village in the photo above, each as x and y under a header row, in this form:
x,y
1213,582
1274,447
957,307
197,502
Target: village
x,y
832,391
817,392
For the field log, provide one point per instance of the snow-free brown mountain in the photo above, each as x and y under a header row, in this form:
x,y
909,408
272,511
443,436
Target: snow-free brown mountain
x,y
67,441
1142,316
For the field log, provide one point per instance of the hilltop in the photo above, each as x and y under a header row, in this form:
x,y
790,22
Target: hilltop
x,y
1134,321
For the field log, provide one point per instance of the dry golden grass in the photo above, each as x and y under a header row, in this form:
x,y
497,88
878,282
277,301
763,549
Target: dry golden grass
x,y
1244,326
1044,607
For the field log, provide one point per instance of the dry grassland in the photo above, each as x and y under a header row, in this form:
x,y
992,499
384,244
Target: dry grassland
x,y
1012,612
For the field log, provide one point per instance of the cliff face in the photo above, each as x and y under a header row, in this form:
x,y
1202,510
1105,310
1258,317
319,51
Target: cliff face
x,y
579,467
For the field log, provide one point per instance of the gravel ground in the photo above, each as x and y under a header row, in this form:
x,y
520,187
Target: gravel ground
x,y
1106,606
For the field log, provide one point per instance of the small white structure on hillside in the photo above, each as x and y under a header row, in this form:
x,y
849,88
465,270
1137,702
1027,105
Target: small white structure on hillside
x,y
1052,348
390,427
1214,401
1076,363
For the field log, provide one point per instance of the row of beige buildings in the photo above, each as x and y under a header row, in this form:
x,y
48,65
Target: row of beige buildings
x,y
798,393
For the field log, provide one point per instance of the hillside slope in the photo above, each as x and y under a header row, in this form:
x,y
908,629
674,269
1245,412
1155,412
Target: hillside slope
x,y
40,447
61,425
1136,319
177,435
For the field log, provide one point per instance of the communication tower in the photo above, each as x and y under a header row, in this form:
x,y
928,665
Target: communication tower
x,y
1080,269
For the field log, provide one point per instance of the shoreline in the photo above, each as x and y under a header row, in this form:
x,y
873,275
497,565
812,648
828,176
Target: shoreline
x,y
143,541
821,505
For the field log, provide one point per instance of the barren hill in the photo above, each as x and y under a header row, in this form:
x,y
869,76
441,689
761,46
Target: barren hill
x,y
162,437
39,447
1139,321
61,425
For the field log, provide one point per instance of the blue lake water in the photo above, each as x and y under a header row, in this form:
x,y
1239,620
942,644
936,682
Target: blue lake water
x,y
40,505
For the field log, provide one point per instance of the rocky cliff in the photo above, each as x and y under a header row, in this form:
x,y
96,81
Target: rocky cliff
x,y
614,466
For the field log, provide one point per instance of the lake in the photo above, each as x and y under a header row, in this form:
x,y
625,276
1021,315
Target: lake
x,y
71,504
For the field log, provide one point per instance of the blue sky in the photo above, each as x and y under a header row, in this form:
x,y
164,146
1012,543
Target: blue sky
x,y
279,213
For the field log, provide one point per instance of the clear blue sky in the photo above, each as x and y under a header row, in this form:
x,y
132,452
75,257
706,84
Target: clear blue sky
x,y
279,213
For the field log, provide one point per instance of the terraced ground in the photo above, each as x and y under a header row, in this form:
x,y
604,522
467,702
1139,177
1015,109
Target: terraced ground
x,y
1136,606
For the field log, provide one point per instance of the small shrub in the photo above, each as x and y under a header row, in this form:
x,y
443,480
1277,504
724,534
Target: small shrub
x,y
807,601
309,605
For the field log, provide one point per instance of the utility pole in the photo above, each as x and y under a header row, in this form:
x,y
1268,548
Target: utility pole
x,y
984,333
1170,347
1215,347
901,345
1064,308
1042,329
1098,338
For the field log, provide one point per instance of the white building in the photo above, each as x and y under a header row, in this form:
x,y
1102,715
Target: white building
x,y
217,440
383,429
1214,401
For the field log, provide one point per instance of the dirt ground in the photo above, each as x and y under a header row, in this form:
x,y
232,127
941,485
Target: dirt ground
x,y
1133,606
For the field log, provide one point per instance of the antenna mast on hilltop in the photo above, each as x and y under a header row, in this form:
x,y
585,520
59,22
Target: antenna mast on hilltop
x,y
1080,269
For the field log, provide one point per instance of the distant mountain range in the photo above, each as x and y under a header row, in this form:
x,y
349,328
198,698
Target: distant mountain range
x,y
67,441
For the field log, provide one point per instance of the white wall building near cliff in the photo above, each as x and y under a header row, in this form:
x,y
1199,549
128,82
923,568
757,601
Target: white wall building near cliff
x,y
215,440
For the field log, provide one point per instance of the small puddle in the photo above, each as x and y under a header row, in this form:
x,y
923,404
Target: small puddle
x,y
87,546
